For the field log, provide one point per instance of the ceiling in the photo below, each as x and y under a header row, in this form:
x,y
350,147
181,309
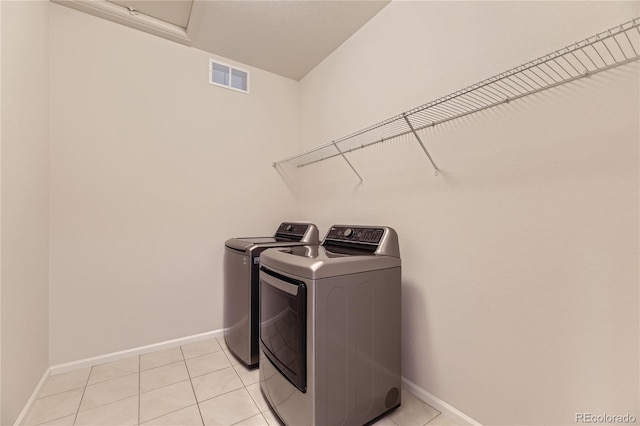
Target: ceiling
x,y
286,37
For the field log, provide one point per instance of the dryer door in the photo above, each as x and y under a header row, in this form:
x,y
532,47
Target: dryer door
x,y
283,325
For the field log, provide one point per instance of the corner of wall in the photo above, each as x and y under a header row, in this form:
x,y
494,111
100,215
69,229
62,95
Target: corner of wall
x,y
24,204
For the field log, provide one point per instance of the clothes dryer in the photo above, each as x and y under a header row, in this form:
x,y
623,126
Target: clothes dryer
x,y
330,328
241,270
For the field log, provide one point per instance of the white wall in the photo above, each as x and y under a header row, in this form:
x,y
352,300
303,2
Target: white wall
x,y
520,261
520,274
25,202
152,169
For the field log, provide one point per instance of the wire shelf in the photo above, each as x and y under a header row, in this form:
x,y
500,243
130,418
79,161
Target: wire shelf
x,y
603,51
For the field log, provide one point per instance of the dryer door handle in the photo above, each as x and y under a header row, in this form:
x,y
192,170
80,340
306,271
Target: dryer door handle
x,y
279,284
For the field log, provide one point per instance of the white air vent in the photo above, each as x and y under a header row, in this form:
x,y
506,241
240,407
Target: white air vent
x,y
227,76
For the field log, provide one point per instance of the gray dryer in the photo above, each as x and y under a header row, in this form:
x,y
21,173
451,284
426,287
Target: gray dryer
x,y
330,328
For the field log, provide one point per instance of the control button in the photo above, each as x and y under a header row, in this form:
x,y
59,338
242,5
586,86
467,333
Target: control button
x,y
288,228
348,233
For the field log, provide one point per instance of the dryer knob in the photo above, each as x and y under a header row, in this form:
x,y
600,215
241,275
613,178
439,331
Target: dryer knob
x,y
288,228
348,233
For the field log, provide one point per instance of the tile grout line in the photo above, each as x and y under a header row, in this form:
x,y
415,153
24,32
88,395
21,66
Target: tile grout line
x,y
437,415
217,371
51,420
191,383
229,358
171,384
84,390
259,412
208,372
40,397
122,398
203,355
254,403
431,420
170,412
243,384
113,378
224,393
60,392
101,406
161,387
163,365
139,384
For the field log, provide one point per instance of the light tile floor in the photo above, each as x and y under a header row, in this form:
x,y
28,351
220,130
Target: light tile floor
x,y
194,384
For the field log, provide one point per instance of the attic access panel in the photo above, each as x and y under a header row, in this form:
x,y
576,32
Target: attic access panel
x,y
173,12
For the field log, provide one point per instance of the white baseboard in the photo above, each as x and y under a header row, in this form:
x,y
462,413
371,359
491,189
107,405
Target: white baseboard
x,y
438,404
115,356
27,408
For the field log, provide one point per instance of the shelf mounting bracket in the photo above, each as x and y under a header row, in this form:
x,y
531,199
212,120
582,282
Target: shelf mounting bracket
x,y
348,162
406,118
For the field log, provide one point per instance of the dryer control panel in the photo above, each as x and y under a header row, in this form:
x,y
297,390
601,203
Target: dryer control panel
x,y
356,234
354,239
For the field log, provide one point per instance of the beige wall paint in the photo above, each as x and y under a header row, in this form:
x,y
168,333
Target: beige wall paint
x,y
25,202
520,261
152,169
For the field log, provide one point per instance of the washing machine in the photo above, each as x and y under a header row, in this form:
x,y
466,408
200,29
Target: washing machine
x,y
330,328
241,272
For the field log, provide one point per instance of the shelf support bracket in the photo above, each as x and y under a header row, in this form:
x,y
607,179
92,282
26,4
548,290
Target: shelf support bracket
x,y
406,118
348,162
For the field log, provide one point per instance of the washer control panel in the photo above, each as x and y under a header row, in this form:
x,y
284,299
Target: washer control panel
x,y
302,232
355,234
292,228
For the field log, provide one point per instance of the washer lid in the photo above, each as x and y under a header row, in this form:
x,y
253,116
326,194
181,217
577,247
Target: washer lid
x,y
316,262
243,244
257,244
287,234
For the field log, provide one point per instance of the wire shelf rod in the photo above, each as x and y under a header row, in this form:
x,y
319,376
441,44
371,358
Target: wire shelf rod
x,y
619,47
614,47
630,43
348,162
421,144
419,128
523,95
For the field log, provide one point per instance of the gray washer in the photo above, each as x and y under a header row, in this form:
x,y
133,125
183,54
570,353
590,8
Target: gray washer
x,y
241,268
338,361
